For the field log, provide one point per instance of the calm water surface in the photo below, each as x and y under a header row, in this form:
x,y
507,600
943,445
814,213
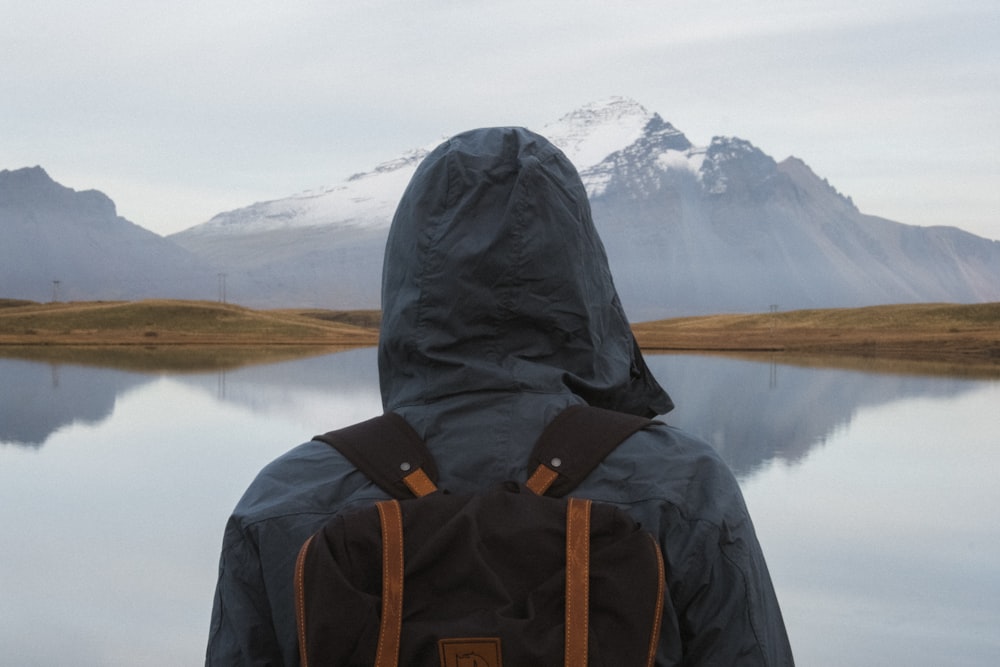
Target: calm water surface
x,y
875,497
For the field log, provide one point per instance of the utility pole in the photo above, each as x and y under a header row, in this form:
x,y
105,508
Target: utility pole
x,y
222,288
55,290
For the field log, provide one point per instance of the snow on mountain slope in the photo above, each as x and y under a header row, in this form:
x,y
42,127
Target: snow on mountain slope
x,y
590,134
363,200
367,200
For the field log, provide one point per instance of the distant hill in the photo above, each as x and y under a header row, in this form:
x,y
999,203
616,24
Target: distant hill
x,y
57,243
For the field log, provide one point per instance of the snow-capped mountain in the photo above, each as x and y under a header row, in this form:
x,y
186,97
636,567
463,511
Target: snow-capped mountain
x,y
57,243
689,229
282,251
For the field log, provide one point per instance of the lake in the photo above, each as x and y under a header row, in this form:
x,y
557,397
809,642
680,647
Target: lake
x,y
875,497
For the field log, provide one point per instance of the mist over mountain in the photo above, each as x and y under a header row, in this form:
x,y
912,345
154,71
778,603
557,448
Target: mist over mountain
x,y
57,243
689,230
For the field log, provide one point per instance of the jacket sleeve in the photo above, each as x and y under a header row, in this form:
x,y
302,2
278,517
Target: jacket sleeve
x,y
723,609
241,632
728,612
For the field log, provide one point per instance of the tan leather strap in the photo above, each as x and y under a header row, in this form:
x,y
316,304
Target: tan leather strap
x,y
541,479
419,483
577,581
300,601
392,584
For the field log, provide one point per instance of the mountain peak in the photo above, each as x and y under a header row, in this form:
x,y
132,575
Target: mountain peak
x,y
33,186
594,131
805,178
609,109
30,178
733,161
35,172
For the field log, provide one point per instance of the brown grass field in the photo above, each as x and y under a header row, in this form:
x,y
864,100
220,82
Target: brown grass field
x,y
168,322
943,334
949,335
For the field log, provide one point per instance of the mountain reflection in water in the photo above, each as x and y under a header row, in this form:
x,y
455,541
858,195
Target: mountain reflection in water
x,y
750,411
756,411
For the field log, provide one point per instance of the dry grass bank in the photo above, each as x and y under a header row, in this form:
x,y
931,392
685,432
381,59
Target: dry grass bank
x,y
946,333
172,322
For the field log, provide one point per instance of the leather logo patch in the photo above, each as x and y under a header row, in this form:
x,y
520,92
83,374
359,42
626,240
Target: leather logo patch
x,y
470,652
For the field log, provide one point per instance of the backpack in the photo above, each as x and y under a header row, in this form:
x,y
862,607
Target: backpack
x,y
518,574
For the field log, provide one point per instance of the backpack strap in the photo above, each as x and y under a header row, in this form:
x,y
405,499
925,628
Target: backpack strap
x,y
574,443
389,452
577,632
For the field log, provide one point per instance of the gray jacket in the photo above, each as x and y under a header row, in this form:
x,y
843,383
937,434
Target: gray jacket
x,y
498,312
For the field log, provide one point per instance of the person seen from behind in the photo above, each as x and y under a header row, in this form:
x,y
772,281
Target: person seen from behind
x,y
499,312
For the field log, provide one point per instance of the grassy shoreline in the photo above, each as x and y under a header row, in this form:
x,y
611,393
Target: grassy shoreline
x,y
176,322
920,329
955,334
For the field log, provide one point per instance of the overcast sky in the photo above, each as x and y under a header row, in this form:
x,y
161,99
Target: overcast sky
x,y
180,110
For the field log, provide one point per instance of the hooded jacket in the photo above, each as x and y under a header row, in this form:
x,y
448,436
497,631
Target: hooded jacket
x,y
499,311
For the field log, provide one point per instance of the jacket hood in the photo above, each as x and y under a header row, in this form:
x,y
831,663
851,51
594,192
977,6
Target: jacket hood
x,y
495,280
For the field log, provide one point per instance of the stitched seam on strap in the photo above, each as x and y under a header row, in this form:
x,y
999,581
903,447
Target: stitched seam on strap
x,y
300,599
661,586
